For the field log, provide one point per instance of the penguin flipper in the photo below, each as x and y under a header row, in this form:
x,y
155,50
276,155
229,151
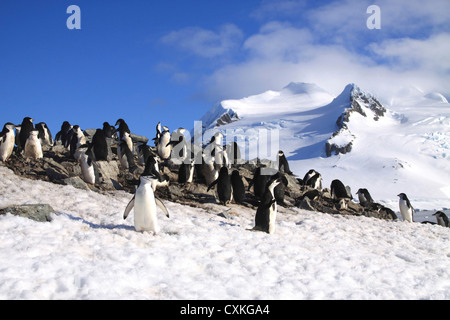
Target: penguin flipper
x,y
128,208
162,206
212,184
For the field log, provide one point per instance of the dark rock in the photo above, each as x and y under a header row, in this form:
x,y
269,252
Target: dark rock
x,y
36,212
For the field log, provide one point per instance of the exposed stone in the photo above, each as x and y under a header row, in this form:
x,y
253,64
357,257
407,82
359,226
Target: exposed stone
x,y
36,212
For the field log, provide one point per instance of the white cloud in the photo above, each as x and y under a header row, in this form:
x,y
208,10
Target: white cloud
x,y
206,43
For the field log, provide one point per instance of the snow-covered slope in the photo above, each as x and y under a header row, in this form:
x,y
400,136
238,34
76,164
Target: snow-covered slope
x,y
405,148
89,252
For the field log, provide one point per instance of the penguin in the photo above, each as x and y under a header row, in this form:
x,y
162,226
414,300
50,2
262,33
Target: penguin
x,y
7,140
283,165
308,175
126,156
364,197
339,193
207,170
33,147
25,130
280,189
233,153
259,183
224,189
152,169
144,203
186,172
442,219
164,147
64,133
406,209
88,170
123,127
237,184
179,146
315,181
99,146
267,209
109,130
17,139
77,139
44,134
217,150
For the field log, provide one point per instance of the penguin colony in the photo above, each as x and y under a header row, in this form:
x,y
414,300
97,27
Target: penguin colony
x,y
214,169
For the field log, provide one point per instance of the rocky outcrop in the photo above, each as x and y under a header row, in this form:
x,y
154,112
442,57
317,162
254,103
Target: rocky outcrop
x,y
341,142
36,212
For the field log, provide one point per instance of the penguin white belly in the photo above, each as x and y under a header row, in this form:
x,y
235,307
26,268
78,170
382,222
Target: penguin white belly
x,y
405,211
145,218
6,148
272,217
87,170
33,149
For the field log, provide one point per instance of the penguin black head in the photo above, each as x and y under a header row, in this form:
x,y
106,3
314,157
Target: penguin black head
x,y
402,196
223,172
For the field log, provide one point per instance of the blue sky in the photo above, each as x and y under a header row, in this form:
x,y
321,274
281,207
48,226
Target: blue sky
x,y
170,61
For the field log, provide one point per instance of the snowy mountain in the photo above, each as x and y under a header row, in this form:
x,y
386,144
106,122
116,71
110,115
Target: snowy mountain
x,y
400,146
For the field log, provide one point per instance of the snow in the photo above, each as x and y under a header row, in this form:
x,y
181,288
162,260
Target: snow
x,y
406,150
89,252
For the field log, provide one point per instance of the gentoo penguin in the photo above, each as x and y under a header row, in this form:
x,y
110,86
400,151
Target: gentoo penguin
x,y
339,193
442,219
64,133
77,139
144,202
99,146
267,209
25,130
406,209
238,187
224,189
7,140
258,182
283,165
186,172
364,197
33,147
44,134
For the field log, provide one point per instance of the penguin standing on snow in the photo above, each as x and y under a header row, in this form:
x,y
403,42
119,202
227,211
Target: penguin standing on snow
x,y
144,203
88,170
406,209
25,130
224,189
267,209
442,219
33,147
237,184
7,140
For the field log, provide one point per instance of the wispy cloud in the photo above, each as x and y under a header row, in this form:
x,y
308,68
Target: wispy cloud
x,y
206,43
331,47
